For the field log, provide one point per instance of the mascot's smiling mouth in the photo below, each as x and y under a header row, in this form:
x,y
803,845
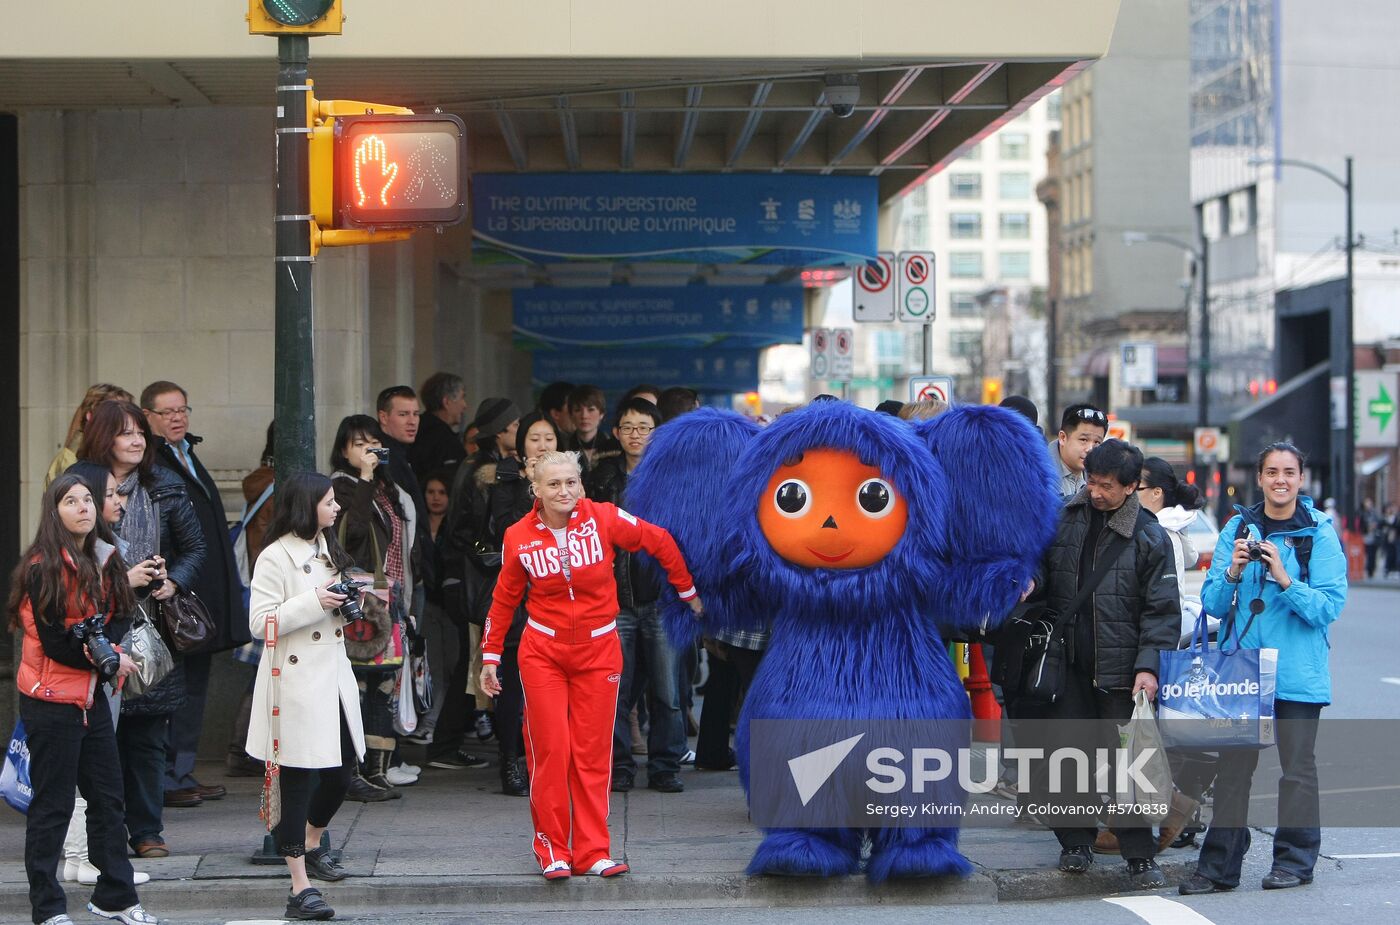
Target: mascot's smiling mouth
x,y
826,558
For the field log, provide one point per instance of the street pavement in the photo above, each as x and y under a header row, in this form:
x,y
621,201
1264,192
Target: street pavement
x,y
455,850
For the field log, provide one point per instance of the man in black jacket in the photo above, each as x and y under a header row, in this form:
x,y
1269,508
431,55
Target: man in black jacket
x,y
648,661
1116,635
217,585
438,447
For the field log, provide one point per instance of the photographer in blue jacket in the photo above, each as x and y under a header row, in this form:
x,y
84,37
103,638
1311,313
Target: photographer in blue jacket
x,y
1280,565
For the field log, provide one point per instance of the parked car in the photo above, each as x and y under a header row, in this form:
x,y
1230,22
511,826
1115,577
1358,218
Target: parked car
x,y
1204,533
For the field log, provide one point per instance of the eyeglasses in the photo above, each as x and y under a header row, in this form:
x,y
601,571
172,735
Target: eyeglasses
x,y
1092,414
641,430
168,413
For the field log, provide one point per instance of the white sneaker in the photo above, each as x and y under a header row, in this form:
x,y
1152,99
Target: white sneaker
x,y
413,769
607,867
60,919
401,778
80,870
134,915
557,871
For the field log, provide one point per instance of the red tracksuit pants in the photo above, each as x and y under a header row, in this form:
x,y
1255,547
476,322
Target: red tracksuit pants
x,y
570,707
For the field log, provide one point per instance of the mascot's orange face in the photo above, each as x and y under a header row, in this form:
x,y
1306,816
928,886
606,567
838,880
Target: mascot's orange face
x,y
829,510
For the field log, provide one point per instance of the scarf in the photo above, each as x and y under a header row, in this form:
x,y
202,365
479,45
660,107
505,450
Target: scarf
x,y
140,525
393,556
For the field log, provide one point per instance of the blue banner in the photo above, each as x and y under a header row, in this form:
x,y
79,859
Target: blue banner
x,y
637,316
616,371
785,219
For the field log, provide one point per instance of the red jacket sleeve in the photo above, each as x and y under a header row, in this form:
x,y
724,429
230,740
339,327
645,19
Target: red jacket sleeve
x,y
634,534
510,588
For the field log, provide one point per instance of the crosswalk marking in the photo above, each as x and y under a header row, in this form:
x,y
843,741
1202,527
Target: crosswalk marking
x,y
1156,910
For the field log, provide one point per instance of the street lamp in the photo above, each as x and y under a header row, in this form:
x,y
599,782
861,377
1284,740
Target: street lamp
x,y
1200,255
1343,462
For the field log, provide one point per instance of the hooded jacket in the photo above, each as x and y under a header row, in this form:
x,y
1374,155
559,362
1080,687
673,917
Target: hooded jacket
x,y
1175,520
1136,611
1294,621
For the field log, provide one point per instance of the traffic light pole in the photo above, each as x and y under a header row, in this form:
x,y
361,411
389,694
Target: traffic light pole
x,y
294,381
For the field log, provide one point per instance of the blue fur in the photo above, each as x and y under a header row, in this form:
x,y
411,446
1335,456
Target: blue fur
x,y
856,643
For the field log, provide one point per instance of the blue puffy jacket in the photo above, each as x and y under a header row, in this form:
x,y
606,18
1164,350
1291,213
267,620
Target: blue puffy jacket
x,y
1294,621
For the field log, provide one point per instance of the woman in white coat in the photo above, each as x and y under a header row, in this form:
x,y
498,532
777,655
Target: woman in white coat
x,y
316,736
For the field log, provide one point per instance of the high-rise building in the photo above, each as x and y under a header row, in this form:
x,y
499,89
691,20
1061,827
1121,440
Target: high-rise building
x,y
981,219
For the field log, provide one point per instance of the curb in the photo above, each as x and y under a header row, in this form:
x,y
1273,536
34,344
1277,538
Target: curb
x,y
167,898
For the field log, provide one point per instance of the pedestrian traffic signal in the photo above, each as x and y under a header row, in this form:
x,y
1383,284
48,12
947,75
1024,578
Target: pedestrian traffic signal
x,y
399,171
991,391
294,17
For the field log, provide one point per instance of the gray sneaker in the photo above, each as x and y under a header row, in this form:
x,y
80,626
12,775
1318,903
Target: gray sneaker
x,y
132,915
60,919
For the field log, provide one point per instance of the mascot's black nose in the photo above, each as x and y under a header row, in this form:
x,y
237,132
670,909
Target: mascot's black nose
x,y
830,522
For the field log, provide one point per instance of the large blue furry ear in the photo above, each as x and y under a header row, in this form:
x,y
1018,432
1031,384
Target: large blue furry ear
x,y
680,484
1003,511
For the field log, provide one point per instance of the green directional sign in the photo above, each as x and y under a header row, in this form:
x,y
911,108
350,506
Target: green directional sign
x,y
1377,421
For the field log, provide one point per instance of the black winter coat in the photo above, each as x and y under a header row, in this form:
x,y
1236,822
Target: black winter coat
x,y
437,448
1137,609
637,583
217,582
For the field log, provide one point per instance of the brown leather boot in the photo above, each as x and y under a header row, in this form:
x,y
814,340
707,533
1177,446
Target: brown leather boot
x,y
1106,843
1183,810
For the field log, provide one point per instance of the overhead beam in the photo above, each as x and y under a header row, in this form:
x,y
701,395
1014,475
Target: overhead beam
x,y
741,143
932,122
568,131
686,135
512,139
872,122
628,153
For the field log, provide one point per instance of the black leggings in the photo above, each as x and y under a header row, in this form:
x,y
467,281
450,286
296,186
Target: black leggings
x,y
312,795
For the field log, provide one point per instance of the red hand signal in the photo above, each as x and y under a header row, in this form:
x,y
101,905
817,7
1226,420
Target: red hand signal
x,y
372,150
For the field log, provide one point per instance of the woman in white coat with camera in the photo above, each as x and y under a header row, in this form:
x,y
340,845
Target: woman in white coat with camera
x,y
306,707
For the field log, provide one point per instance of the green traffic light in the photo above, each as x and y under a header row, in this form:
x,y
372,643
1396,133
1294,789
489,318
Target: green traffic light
x,y
297,12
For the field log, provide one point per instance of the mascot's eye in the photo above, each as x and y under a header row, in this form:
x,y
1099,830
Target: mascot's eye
x,y
875,497
793,498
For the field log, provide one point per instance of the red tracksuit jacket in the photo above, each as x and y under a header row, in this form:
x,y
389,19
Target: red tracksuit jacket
x,y
573,607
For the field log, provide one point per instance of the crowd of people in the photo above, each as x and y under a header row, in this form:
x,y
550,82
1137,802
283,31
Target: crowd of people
x,y
460,579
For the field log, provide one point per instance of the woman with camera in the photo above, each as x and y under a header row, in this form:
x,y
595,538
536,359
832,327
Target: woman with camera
x,y
1278,580
158,524
306,707
61,596
570,660
376,528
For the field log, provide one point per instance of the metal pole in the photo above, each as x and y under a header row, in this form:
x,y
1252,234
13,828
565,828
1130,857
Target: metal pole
x,y
1203,398
928,349
1346,482
1052,372
294,383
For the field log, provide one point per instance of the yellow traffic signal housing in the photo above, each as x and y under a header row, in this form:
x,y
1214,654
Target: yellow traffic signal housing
x,y
991,391
378,171
294,17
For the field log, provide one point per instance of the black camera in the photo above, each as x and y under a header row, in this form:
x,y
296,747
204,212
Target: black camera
x,y
92,634
380,452
350,589
1255,549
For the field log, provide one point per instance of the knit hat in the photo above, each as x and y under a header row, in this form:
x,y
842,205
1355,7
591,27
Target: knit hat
x,y
889,406
494,415
1023,405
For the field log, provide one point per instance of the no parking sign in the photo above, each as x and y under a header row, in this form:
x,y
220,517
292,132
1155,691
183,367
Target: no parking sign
x,y
931,388
914,300
874,292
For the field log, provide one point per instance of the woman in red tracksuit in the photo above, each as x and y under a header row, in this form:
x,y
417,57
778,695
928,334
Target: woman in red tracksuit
x,y
570,660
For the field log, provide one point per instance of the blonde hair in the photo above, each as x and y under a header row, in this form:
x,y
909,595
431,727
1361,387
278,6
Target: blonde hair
x,y
96,395
922,410
556,458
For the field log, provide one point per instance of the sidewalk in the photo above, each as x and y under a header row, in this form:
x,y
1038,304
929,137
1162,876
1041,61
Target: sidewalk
x,y
454,841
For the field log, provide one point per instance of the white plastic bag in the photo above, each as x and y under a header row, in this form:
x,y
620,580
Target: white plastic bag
x,y
1139,738
405,715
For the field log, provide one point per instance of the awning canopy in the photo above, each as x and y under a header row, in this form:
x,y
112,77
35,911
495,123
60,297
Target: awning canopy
x,y
1298,412
622,85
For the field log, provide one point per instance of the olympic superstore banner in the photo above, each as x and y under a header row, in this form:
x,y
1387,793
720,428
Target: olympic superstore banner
x,y
785,219
638,317
715,370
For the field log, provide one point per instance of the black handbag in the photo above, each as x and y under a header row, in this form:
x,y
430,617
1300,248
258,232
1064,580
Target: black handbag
x,y
187,624
1044,638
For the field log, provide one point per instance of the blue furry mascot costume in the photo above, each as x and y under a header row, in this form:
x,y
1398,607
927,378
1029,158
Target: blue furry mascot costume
x,y
859,539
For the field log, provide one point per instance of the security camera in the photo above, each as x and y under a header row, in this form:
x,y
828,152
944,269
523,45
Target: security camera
x,y
842,93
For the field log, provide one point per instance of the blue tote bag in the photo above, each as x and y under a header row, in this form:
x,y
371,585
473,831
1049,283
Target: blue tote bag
x,y
14,776
1209,698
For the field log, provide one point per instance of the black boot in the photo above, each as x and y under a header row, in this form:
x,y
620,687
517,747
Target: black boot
x,y
514,783
376,767
362,791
